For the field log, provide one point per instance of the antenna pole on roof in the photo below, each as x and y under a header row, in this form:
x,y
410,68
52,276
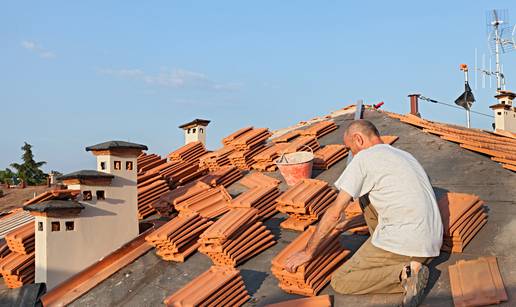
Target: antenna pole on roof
x,y
468,111
358,115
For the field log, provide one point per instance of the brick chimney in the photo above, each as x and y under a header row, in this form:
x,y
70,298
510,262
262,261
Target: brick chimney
x,y
414,104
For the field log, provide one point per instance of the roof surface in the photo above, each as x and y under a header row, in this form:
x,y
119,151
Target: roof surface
x,y
148,280
54,205
116,145
197,121
85,174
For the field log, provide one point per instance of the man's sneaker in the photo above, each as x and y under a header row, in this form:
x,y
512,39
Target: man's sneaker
x,y
414,285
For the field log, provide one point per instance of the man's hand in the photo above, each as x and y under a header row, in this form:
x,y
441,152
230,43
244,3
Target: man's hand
x,y
296,260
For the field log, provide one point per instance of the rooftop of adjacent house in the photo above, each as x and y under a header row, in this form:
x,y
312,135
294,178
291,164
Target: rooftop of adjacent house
x,y
86,174
116,145
197,121
54,205
450,167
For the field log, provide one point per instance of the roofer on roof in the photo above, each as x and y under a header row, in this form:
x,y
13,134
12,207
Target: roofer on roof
x,y
401,212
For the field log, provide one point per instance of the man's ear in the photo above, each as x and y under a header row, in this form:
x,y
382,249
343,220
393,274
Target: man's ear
x,y
358,139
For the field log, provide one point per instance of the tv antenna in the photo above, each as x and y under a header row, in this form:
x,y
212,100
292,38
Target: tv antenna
x,y
500,39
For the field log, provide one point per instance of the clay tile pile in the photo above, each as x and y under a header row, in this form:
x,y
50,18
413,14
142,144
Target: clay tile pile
x,y
164,205
257,179
316,301
235,237
22,239
305,202
463,216
230,138
216,159
247,143
219,286
18,269
188,153
251,139
54,194
208,203
312,276
265,160
319,129
262,198
501,147
389,139
302,143
357,223
224,176
177,239
146,162
245,159
330,154
17,263
4,250
149,192
476,282
287,137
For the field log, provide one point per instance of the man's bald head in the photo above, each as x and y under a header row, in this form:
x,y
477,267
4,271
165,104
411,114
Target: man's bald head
x,y
361,134
363,126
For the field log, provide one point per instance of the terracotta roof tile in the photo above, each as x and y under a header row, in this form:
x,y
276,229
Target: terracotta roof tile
x,y
327,156
219,286
258,179
316,301
311,277
476,282
235,237
208,203
224,176
188,153
262,198
463,216
319,129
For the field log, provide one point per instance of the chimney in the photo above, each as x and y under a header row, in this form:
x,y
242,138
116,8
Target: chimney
x,y
504,111
414,107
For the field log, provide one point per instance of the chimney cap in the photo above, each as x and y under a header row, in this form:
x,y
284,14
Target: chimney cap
x,y
195,122
116,145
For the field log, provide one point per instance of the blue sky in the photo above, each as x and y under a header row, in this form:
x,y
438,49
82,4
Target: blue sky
x,y
75,74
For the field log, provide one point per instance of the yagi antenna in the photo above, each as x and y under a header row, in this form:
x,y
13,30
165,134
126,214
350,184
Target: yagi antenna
x,y
500,40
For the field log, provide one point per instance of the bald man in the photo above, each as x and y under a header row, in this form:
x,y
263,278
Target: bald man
x,y
401,213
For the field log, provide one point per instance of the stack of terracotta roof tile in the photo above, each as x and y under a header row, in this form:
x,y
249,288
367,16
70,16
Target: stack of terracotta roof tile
x,y
177,239
312,276
224,176
17,265
149,192
164,205
287,137
476,282
262,198
257,179
316,301
463,216
18,269
500,147
389,139
54,194
329,155
208,203
305,202
22,239
357,223
216,159
251,139
188,153
302,143
219,286
319,129
148,161
265,160
245,159
230,138
235,237
4,249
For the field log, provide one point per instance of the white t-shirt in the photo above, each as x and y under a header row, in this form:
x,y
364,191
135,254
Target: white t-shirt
x,y
409,221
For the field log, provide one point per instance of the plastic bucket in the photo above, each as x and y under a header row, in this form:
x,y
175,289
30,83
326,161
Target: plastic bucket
x,y
295,166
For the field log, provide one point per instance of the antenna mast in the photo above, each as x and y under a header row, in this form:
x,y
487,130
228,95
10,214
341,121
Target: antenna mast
x,y
501,40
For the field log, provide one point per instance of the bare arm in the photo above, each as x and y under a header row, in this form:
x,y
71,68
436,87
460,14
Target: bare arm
x,y
333,217
332,220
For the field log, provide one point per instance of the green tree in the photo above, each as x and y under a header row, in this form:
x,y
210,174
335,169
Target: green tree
x,y
29,171
7,176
